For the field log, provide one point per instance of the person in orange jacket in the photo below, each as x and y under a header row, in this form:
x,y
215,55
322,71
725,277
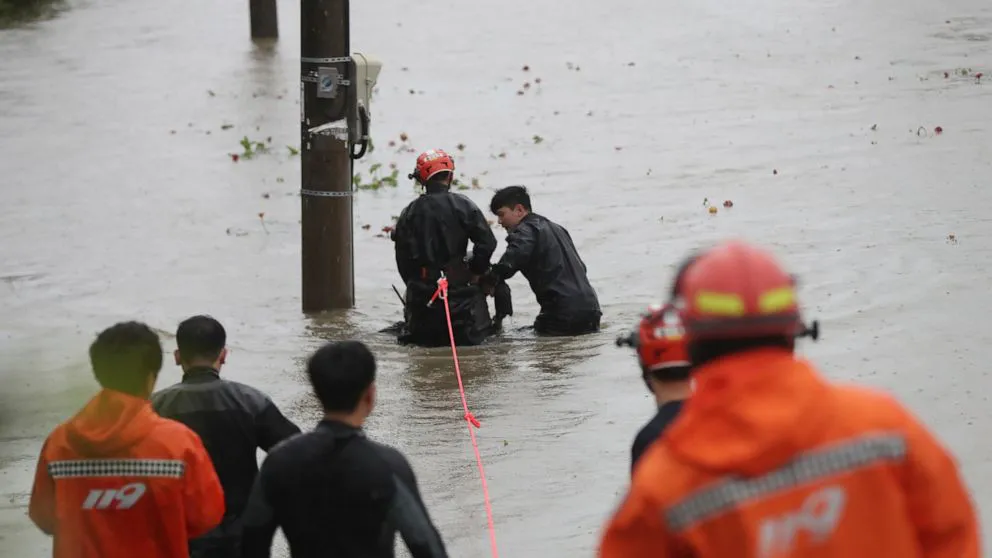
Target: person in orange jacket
x,y
768,459
117,480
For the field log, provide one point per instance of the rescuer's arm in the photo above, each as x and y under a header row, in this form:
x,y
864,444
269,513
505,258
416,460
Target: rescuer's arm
x,y
637,531
520,246
406,259
273,427
41,510
481,235
939,504
408,513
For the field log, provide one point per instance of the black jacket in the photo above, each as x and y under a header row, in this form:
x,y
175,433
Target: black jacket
x,y
543,251
233,420
336,493
432,234
653,430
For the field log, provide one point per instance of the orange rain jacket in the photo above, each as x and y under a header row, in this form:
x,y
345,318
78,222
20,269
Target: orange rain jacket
x,y
768,460
119,481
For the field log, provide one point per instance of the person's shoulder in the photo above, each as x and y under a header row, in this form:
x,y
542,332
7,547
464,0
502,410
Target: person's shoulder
x,y
871,415
163,394
256,397
393,457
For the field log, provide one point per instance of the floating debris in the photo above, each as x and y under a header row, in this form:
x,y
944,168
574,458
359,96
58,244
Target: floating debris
x,y
938,130
537,139
404,137
774,171
728,204
366,227
712,210
526,68
952,239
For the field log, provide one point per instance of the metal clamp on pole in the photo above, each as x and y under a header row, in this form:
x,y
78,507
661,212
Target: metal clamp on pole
x,y
325,194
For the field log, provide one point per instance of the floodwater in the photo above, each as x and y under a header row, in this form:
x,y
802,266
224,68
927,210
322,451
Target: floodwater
x,y
120,201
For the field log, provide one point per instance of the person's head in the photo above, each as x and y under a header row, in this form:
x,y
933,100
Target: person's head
x,y
510,205
434,168
735,298
200,341
127,357
343,378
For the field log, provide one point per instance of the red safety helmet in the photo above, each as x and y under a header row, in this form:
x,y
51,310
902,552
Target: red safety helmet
x,y
738,291
431,162
659,340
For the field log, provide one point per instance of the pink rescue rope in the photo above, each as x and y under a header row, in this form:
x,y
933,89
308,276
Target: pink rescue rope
x,y
473,423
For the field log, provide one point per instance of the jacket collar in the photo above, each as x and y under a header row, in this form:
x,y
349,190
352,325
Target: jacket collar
x,y
201,375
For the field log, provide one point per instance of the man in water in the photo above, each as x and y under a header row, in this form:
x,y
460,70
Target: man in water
x,y
665,368
431,237
333,491
543,251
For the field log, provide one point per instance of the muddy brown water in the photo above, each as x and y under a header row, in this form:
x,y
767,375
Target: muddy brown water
x,y
119,201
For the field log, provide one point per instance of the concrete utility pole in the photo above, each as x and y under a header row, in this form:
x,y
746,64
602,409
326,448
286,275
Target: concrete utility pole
x,y
264,19
326,95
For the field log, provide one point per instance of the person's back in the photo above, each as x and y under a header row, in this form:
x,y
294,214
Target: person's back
x,y
833,471
767,459
233,420
332,491
544,253
117,480
431,237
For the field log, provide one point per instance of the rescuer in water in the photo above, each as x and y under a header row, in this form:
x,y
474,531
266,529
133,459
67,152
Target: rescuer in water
x,y
665,368
767,458
543,252
431,237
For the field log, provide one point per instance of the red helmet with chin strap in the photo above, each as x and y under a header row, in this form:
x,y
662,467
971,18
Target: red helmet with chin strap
x,y
431,162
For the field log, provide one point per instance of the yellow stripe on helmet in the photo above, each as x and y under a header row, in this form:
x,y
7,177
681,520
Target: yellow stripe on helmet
x,y
777,300
721,304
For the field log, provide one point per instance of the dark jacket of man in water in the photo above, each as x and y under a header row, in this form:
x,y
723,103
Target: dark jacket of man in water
x,y
333,491
232,419
543,251
431,236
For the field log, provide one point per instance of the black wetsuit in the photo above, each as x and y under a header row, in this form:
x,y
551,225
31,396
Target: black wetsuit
x,y
234,421
544,252
336,493
653,430
431,236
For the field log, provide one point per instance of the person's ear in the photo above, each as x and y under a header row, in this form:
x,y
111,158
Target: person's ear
x,y
175,355
223,356
370,397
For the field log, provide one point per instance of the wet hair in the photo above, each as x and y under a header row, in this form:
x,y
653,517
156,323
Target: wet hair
x,y
340,373
124,355
200,338
701,352
509,197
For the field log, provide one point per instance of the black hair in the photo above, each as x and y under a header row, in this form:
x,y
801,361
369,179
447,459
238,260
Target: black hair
x,y
340,373
666,375
510,197
703,351
200,338
124,355
440,181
